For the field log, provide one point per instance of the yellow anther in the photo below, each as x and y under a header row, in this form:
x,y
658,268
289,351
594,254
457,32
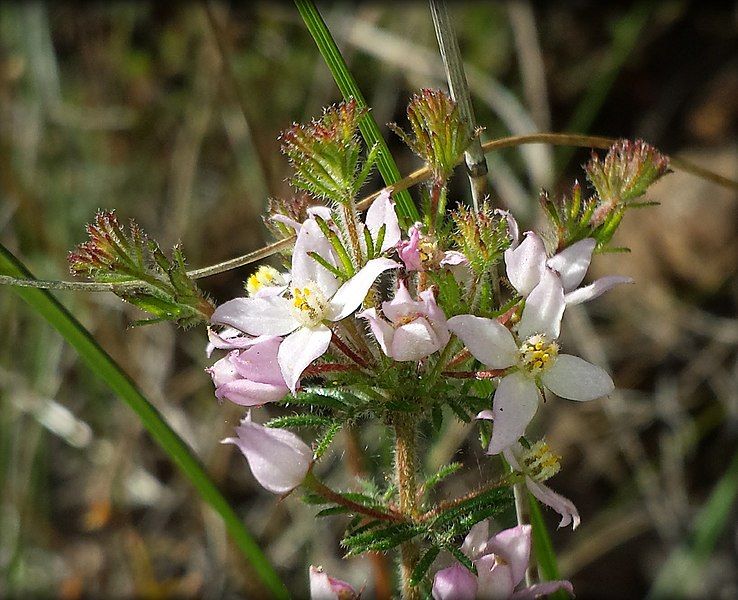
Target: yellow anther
x,y
265,276
539,462
537,354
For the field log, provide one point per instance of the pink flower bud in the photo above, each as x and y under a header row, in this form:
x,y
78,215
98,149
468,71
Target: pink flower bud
x,y
325,587
454,583
278,458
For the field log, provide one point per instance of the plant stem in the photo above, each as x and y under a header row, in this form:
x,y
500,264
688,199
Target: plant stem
x,y
405,468
350,219
522,512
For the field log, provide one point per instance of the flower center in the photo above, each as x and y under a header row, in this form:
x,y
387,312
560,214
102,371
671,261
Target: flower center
x,y
539,462
408,318
309,305
537,354
265,276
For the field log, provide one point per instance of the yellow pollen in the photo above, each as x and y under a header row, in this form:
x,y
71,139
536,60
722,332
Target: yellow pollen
x,y
538,354
309,305
265,276
539,462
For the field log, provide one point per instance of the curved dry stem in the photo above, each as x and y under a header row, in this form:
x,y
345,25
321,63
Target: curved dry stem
x,y
418,176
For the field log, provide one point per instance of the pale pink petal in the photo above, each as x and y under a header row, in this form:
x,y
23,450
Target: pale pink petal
x,y
538,590
306,271
324,212
270,290
257,316
572,263
475,542
544,309
284,219
278,458
246,392
511,454
453,258
486,414
575,379
324,587
382,330
513,545
409,250
222,372
454,583
526,264
301,348
232,339
595,289
401,305
494,578
352,293
436,316
488,340
259,362
514,405
414,340
382,212
563,506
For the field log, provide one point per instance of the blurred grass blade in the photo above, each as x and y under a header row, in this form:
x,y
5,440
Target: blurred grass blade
x,y
543,548
406,209
105,367
684,567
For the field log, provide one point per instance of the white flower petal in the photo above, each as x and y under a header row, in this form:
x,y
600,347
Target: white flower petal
x,y
382,330
572,263
257,316
543,590
305,269
494,578
563,506
278,458
489,341
526,263
514,405
544,308
414,340
352,293
299,349
595,289
382,212
575,379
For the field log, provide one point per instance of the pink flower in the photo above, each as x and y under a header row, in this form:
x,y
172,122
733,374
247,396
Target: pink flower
x,y
278,458
325,587
250,376
317,298
526,263
409,250
531,358
501,562
538,464
416,328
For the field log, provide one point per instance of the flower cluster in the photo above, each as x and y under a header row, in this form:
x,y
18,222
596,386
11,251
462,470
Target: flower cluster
x,y
365,323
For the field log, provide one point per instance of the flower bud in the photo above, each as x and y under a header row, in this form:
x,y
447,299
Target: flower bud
x,y
325,587
278,458
454,583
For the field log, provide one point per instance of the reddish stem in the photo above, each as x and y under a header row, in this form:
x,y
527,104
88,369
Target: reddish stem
x,y
343,347
491,374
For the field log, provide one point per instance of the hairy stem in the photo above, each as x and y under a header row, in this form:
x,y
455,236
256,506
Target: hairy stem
x,y
312,483
405,468
522,512
350,219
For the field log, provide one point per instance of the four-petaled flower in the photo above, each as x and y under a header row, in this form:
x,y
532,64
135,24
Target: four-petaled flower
x,y
317,297
531,358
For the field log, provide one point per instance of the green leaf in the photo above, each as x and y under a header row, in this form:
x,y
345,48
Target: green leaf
x,y
423,565
407,211
332,510
462,558
102,365
441,474
299,421
322,444
381,539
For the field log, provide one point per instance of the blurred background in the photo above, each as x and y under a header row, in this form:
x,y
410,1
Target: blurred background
x,y
130,106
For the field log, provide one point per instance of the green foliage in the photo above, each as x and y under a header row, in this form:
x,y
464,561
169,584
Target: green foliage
x,y
162,286
441,474
423,565
380,538
299,421
439,134
625,174
481,236
325,153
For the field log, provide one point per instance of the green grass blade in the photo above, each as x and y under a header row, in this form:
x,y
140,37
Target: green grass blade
x,y
685,565
105,367
407,211
543,548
